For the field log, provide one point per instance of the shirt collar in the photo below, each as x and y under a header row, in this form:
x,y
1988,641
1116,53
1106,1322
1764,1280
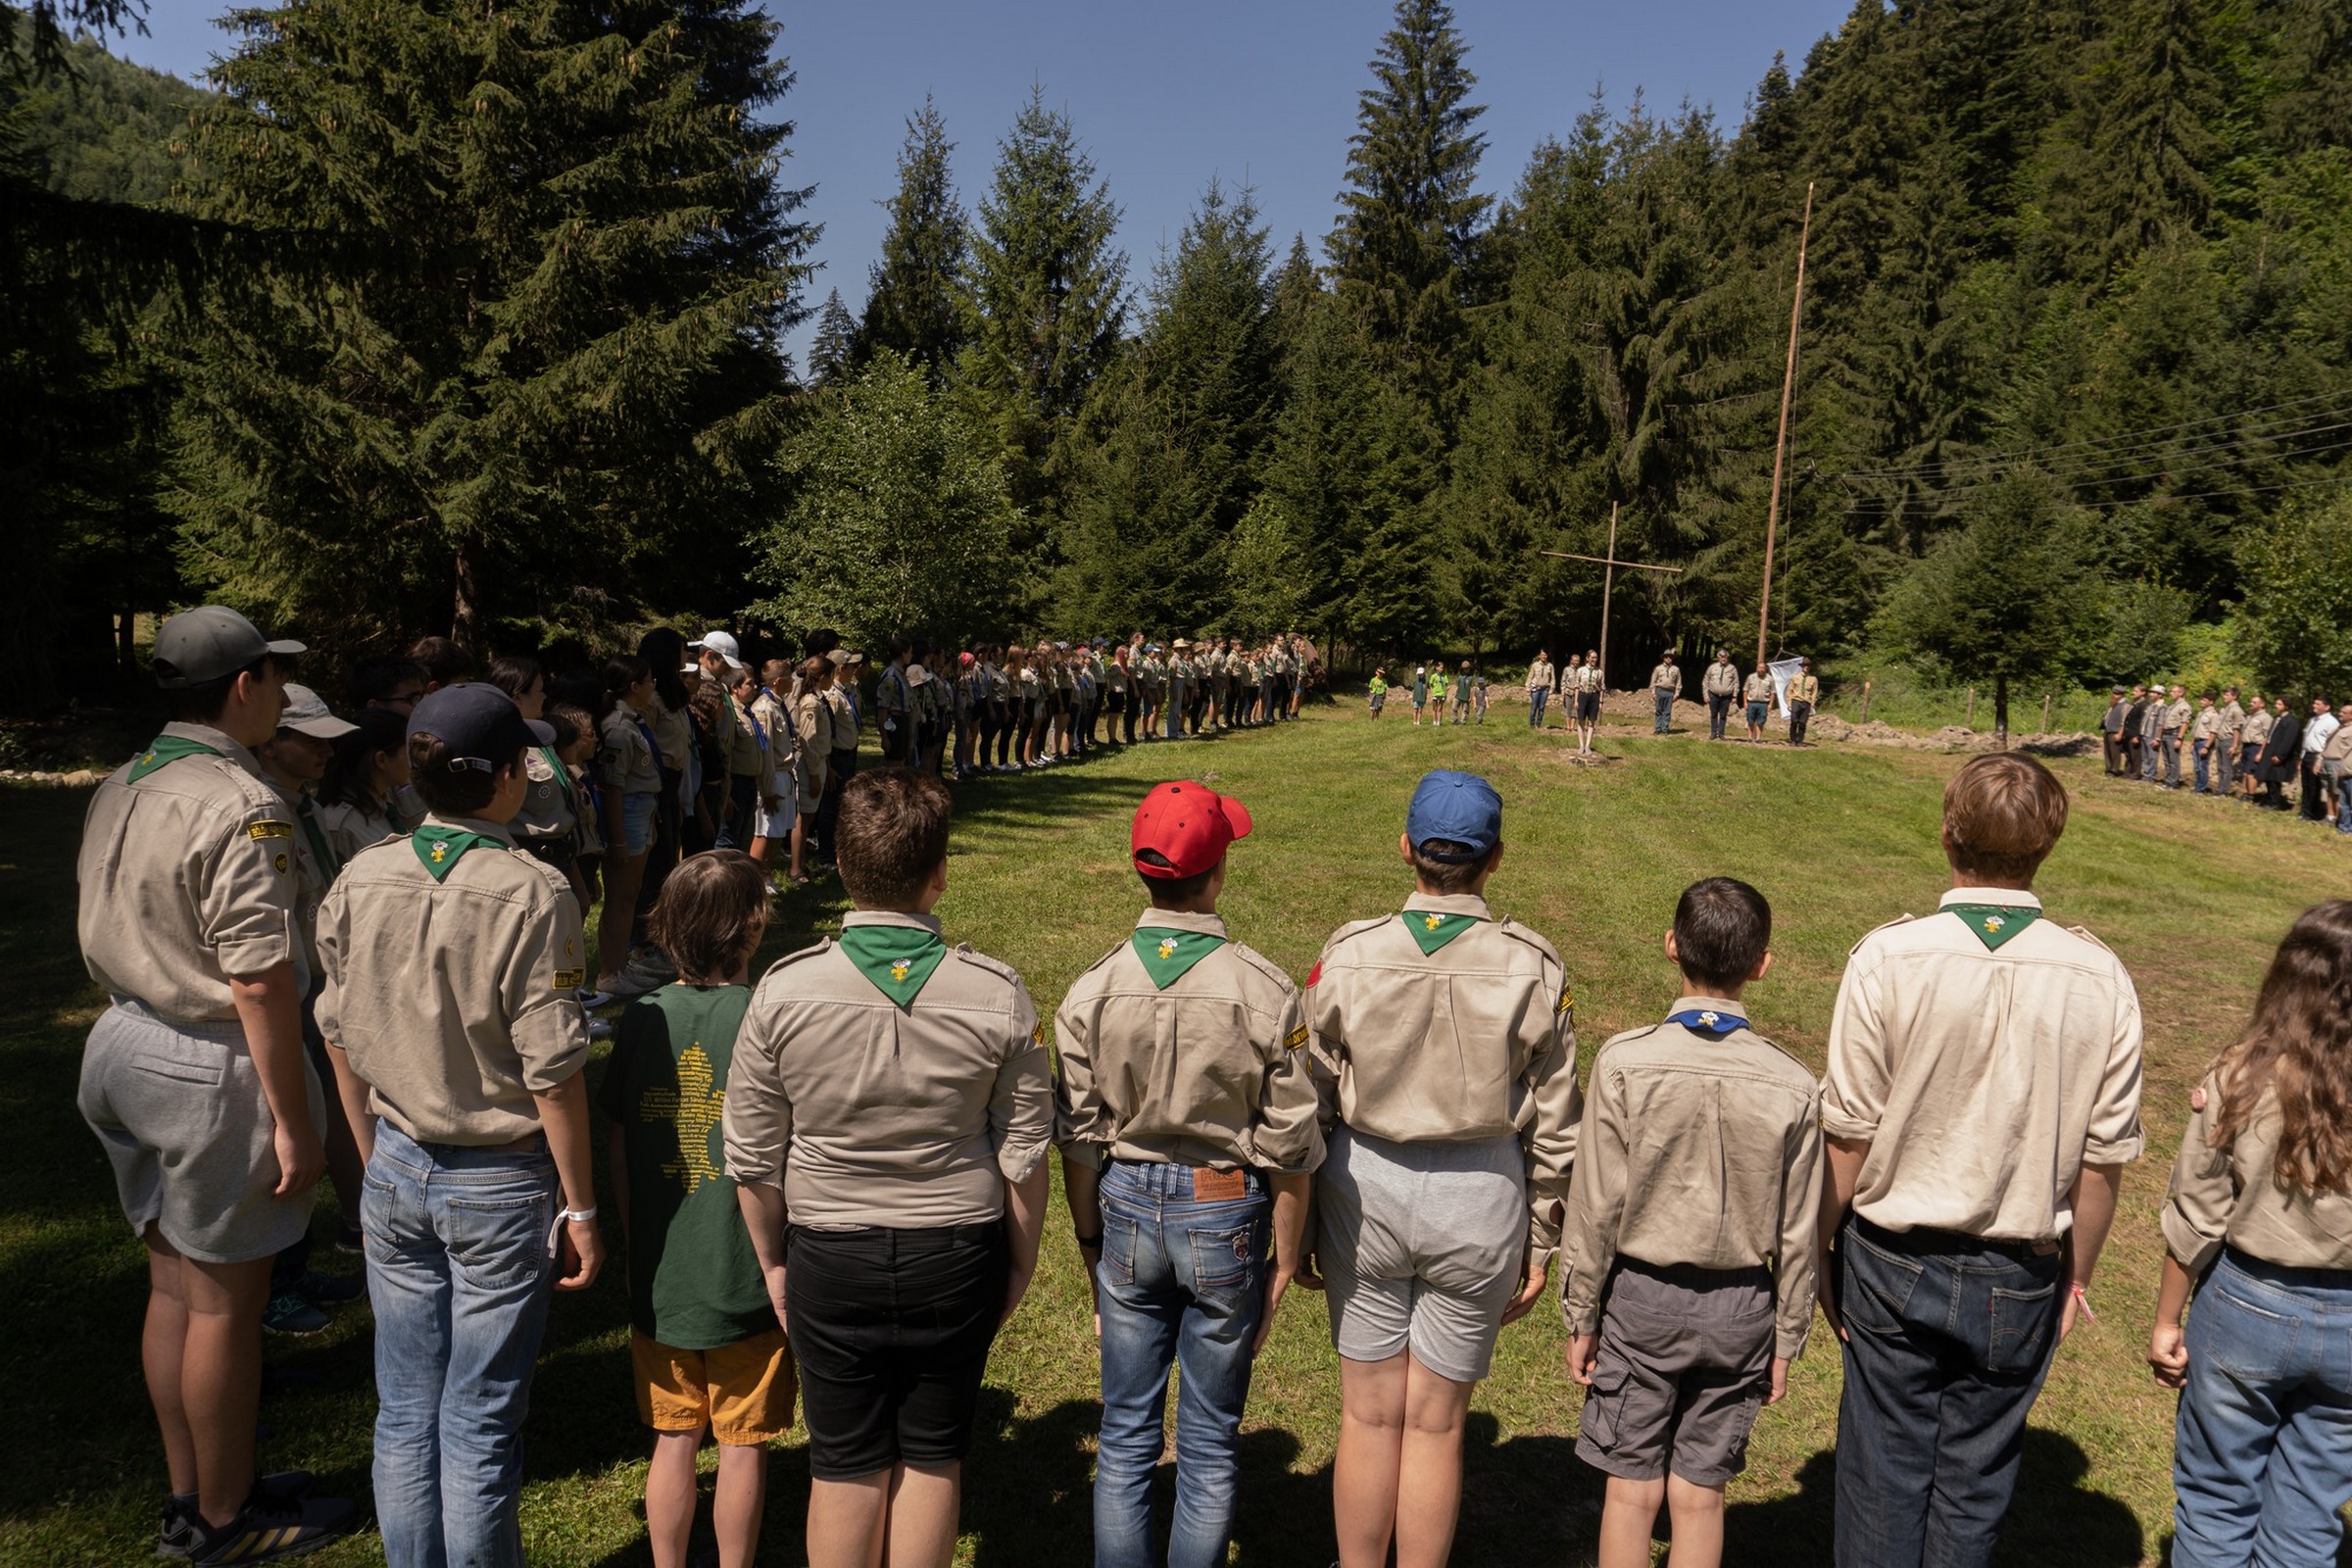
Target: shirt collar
x,y
2007,897
236,751
1208,925
1469,904
925,922
497,831
1708,1003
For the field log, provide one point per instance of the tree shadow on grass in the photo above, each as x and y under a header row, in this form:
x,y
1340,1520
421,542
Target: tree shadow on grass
x,y
2053,1518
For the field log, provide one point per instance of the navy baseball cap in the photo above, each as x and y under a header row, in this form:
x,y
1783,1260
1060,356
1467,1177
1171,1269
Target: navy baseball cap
x,y
479,724
1459,806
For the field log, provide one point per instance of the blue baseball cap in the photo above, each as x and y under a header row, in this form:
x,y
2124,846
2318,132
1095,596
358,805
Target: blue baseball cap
x,y
479,724
1461,807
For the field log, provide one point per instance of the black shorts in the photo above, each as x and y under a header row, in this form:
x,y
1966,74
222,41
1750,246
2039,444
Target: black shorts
x,y
1588,705
558,853
891,1330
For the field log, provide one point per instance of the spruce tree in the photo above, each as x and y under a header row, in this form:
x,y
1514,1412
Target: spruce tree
x,y
1403,250
833,352
912,304
2156,142
528,331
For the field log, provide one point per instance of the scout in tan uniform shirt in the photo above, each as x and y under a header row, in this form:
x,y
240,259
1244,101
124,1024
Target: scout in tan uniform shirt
x,y
1982,1099
892,1096
2258,1213
1697,1190
194,1078
1186,1125
453,966
1446,1055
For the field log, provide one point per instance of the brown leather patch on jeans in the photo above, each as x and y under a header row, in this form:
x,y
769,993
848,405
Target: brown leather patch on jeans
x,y
1219,1185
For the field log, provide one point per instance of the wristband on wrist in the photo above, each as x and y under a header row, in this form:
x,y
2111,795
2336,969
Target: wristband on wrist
x,y
568,1216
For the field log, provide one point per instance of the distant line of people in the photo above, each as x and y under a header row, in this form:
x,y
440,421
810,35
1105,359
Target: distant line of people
x,y
2255,752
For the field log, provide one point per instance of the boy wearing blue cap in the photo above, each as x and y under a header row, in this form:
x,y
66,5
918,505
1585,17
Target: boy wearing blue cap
x,y
1444,1058
1690,1236
452,964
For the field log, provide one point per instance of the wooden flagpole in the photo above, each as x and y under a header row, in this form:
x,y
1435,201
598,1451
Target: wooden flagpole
x,y
1608,582
1780,452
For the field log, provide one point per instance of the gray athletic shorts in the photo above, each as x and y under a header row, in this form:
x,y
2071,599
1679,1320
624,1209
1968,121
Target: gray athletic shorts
x,y
1683,1363
1421,1245
181,1111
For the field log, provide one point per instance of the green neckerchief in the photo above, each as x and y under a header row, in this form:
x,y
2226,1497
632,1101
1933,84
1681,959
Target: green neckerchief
x,y
562,777
1994,923
1167,953
164,751
440,848
1433,930
897,958
308,815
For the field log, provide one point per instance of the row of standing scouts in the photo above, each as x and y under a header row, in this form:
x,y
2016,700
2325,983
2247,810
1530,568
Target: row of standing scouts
x,y
1581,683
833,1185
2255,752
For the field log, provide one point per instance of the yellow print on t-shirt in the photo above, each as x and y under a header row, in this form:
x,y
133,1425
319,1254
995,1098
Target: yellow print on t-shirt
x,y
692,1110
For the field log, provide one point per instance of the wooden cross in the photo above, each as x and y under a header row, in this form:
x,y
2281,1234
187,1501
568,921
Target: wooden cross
x,y
1608,582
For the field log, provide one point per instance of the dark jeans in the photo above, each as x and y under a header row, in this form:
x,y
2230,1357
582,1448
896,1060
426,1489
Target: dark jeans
x,y
842,767
1663,700
1718,713
1947,1340
1801,714
2314,800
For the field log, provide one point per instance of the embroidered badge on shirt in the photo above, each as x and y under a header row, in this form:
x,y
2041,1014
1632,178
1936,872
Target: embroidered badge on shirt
x,y
570,979
1994,923
1432,930
270,830
1294,1039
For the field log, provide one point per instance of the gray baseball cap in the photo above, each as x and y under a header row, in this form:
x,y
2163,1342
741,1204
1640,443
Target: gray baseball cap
x,y
210,643
307,713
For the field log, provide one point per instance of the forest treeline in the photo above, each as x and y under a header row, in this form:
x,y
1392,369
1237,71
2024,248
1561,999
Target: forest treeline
x,y
493,343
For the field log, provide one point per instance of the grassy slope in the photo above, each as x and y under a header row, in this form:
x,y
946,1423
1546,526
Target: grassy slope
x,y
2191,893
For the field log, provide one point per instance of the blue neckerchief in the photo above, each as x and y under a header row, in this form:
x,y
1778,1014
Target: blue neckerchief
x,y
1711,1023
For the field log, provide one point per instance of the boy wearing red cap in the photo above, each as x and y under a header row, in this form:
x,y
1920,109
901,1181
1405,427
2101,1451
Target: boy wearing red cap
x,y
1446,1053
1188,1131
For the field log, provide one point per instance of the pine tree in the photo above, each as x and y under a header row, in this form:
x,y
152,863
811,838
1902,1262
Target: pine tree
x,y
532,334
1403,251
913,293
833,352
2156,142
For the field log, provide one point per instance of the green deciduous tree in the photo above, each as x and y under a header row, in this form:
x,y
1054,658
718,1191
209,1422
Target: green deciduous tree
x,y
532,337
2294,627
898,519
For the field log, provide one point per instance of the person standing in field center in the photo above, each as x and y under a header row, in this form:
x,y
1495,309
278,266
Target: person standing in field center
x,y
1722,685
1665,685
1982,1101
195,1078
1804,691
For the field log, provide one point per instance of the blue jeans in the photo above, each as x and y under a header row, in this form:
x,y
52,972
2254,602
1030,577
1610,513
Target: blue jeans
x,y
1180,1281
1537,696
1718,713
458,1272
1947,1342
2204,761
2264,1453
1665,705
2343,808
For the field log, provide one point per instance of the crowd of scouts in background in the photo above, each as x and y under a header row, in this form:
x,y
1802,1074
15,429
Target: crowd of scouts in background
x,y
2254,751
833,1185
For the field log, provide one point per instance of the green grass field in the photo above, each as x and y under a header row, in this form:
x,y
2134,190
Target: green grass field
x,y
2192,893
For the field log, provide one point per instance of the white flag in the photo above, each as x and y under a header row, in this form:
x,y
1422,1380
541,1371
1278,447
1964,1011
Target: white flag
x,y
1782,672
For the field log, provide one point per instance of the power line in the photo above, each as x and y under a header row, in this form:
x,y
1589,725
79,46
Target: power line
x,y
2089,446
2089,476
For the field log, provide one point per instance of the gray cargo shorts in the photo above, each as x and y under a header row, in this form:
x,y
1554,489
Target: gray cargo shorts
x,y
180,1111
1683,1363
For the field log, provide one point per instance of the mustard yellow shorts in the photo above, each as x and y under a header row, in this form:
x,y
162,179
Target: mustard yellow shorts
x,y
744,1390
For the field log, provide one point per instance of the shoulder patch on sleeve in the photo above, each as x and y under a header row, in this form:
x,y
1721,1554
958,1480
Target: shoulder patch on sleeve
x,y
1901,919
269,828
570,979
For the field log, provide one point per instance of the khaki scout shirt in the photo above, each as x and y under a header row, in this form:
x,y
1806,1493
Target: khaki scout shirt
x,y
2338,746
814,716
1539,676
1666,678
2232,720
1696,1152
187,878
1722,679
2208,724
845,721
1805,688
1212,1071
746,756
353,828
1983,1080
2257,731
550,799
2233,1195
1473,1040
624,757
314,868
1756,688
455,999
870,1115
783,746
2175,718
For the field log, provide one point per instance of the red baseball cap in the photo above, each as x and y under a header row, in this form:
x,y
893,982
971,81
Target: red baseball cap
x,y
1189,824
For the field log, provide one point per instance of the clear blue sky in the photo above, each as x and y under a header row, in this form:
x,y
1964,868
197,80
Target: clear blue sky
x,y
1165,95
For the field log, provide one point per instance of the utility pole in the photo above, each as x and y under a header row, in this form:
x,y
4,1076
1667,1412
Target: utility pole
x,y
1780,452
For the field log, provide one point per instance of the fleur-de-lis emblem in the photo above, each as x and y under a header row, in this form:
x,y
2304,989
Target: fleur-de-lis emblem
x,y
149,757
897,970
1994,922
1710,1020
1168,948
440,853
1433,921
